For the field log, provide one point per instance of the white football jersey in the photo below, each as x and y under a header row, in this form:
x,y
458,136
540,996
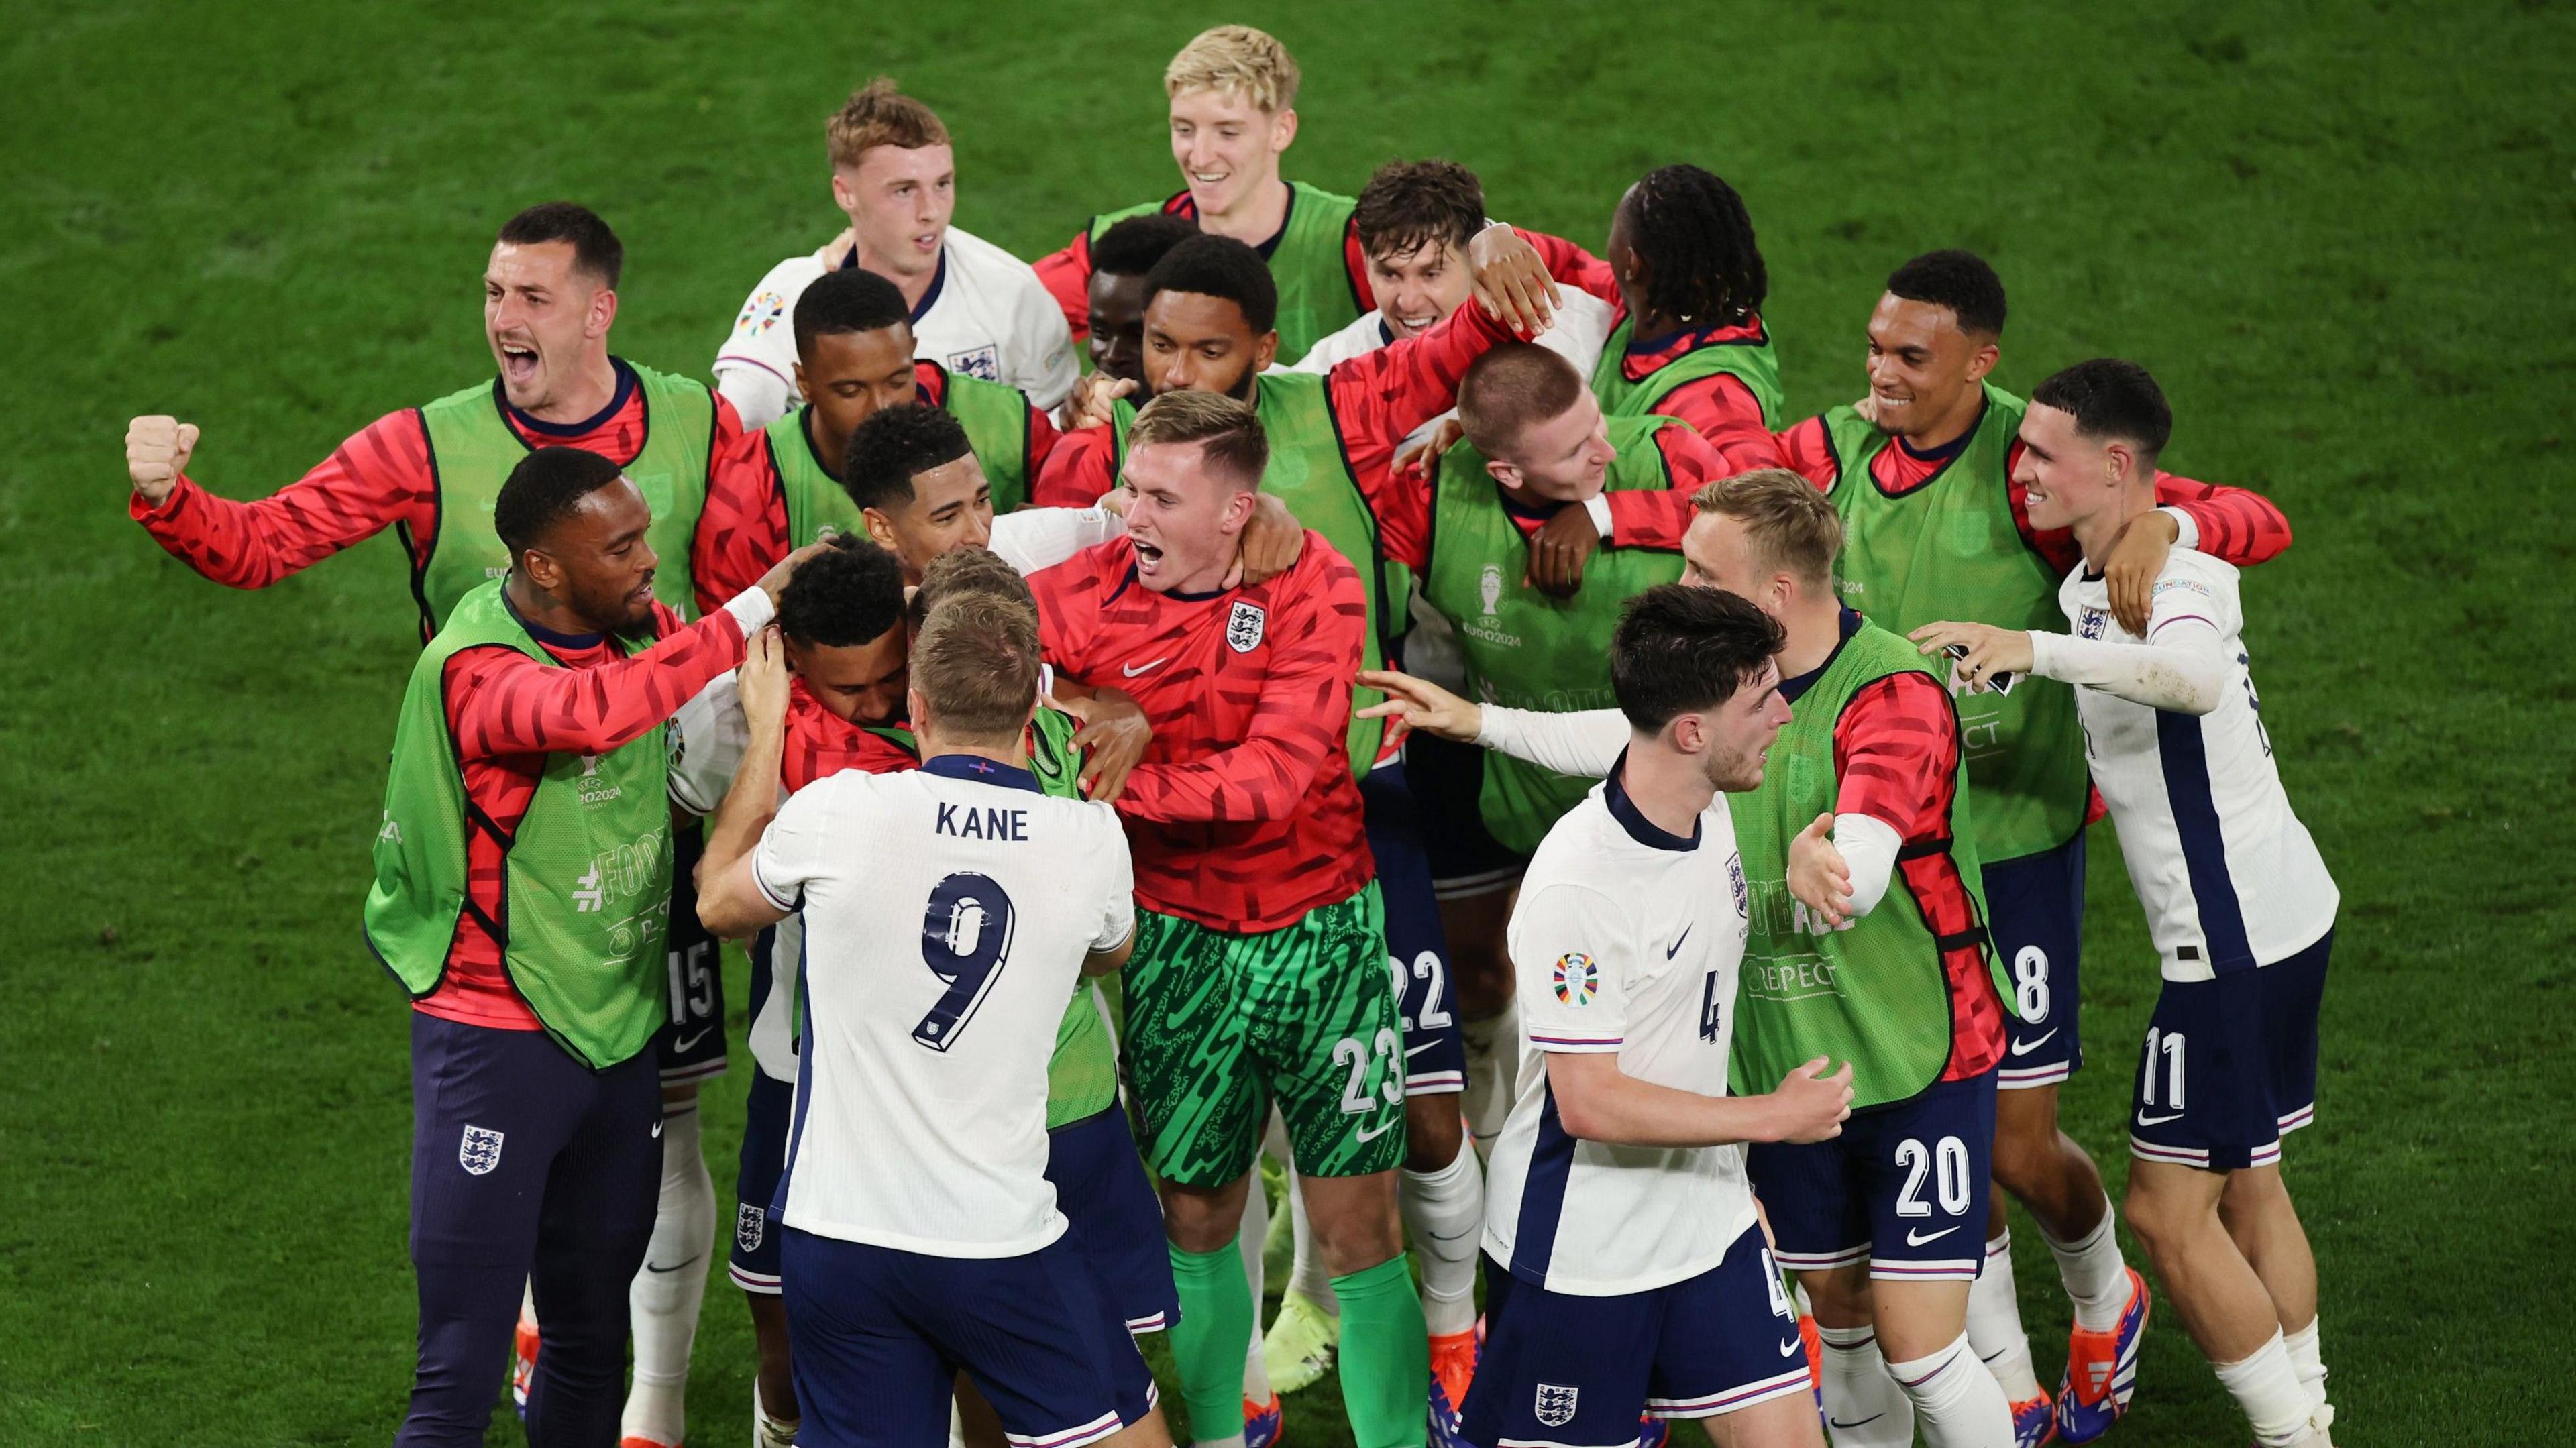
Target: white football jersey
x,y
2224,868
946,913
986,315
1626,940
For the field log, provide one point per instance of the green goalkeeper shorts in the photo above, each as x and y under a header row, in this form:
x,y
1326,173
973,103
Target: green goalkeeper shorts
x,y
1220,1025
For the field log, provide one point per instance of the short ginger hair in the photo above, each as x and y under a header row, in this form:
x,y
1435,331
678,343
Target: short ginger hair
x,y
878,114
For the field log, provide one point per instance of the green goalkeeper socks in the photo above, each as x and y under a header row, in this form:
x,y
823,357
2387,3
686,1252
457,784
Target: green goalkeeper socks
x,y
1386,1358
1214,1334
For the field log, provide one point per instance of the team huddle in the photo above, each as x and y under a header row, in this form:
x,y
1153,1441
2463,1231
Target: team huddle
x,y
1598,837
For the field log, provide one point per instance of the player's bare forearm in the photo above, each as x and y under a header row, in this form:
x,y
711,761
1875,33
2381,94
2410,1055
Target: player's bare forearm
x,y
1596,1101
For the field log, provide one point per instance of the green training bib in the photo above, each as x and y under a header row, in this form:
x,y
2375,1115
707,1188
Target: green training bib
x,y
1873,992
1949,550
1308,264
587,900
1524,649
472,449
1751,362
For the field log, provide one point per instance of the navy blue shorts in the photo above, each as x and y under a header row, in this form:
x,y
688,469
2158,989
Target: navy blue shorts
x,y
1448,782
2035,912
1417,953
1113,1217
880,1336
692,1043
1577,1371
754,1263
1903,1188
2229,1065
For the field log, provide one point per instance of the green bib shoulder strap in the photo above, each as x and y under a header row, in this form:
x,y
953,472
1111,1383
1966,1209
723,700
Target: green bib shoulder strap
x,y
1873,992
587,878
1523,648
1949,549
996,419
1751,362
817,506
472,449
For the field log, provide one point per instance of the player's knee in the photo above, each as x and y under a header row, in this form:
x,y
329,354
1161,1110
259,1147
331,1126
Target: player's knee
x,y
1433,1132
2161,1218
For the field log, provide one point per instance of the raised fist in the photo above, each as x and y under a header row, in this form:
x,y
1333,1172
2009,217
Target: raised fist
x,y
156,452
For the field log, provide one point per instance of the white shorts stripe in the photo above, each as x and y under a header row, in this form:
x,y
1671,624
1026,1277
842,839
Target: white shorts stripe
x,y
1820,1261
1482,882
1154,1323
1091,1432
1435,1083
2178,1155
760,1282
1549,1443
2029,1076
2298,1118
1960,1270
1712,1405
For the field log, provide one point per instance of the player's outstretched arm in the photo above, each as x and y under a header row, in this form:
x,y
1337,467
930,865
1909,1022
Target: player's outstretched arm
x,y
1596,1101
1586,742
1422,706
2231,525
377,478
731,901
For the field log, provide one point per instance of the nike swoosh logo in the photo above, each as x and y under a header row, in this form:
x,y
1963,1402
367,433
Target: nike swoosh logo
x,y
1132,671
1912,1240
1856,1422
2024,1048
1789,1346
2160,1120
1412,1051
689,1040
1676,947
649,1267
1368,1135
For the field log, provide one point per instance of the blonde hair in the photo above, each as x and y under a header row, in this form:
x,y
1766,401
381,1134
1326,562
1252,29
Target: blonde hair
x,y
1236,59
1229,431
877,114
976,666
1789,521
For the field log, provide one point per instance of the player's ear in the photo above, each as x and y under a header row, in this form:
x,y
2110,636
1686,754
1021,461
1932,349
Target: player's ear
x,y
802,390
1982,360
915,708
1504,473
1283,130
541,569
880,528
1265,350
602,314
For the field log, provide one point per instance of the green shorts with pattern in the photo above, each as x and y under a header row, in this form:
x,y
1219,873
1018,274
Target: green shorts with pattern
x,y
1220,1025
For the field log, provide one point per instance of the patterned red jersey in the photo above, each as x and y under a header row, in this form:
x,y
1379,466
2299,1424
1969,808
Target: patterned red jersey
x,y
821,743
1243,815
378,479
507,712
743,532
1896,759
1401,499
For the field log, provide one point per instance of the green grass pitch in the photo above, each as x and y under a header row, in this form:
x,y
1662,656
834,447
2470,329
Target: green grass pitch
x,y
2338,233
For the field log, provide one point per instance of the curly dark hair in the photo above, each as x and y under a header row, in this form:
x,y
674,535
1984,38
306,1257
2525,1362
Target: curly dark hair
x,y
893,447
2111,398
1219,266
543,490
1702,266
1131,247
850,593
1959,280
1409,205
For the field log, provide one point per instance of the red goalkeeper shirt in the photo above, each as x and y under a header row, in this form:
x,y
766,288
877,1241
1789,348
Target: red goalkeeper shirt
x,y
507,713
1243,815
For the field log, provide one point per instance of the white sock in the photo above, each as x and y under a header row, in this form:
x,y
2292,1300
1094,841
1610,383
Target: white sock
x,y
768,1431
956,1425
1444,1214
2267,1387
2305,1356
2097,1281
1493,1061
1307,1278
1994,1324
1230,1440
1256,1227
1956,1401
1863,1405
664,1304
